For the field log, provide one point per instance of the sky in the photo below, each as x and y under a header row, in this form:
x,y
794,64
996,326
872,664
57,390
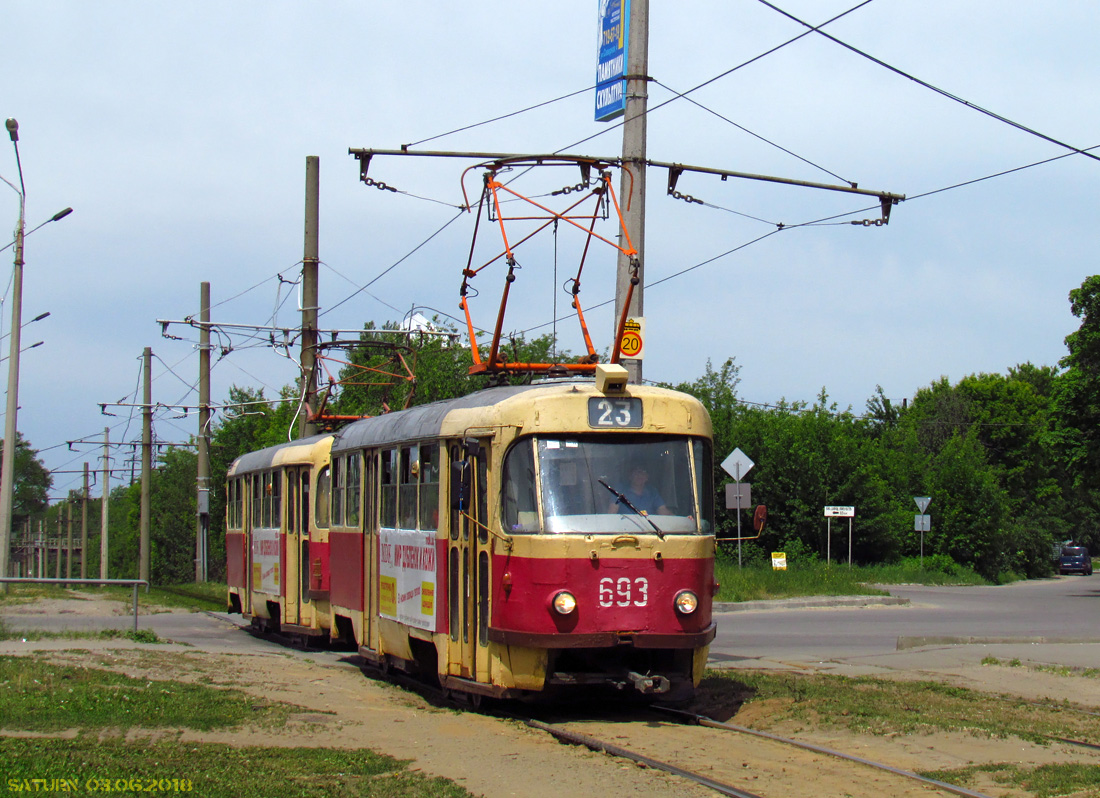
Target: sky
x,y
178,133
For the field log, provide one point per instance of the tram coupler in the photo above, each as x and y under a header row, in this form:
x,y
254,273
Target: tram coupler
x,y
647,685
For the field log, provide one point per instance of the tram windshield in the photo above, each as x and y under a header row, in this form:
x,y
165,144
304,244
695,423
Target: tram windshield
x,y
626,484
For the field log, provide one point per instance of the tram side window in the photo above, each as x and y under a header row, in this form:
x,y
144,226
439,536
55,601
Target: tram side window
x,y
338,488
265,513
456,458
233,504
257,498
429,486
322,497
238,504
352,501
704,469
276,498
389,489
519,512
368,509
407,485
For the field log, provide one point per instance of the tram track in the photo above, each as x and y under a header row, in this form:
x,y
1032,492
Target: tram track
x,y
561,732
639,748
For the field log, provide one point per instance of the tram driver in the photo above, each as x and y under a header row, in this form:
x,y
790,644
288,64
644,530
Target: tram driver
x,y
641,495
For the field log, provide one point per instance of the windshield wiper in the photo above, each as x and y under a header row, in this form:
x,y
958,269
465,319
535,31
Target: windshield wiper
x,y
622,498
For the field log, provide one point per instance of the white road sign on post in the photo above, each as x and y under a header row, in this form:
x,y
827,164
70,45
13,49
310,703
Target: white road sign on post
x,y
922,502
837,511
737,465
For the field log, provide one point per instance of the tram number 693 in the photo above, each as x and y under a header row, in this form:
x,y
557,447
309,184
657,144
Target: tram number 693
x,y
624,592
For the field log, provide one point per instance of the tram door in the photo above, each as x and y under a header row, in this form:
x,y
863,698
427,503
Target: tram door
x,y
369,518
297,543
468,581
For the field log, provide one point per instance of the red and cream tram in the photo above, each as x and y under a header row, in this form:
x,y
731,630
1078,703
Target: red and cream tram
x,y
510,542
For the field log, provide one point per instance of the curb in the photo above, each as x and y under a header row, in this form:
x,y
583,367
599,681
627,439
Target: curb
x,y
808,602
905,643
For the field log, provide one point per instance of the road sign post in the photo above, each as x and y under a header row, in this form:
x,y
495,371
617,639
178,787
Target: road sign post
x,y
836,511
737,465
922,523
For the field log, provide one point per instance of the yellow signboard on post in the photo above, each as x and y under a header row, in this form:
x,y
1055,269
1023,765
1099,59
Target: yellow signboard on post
x,y
632,344
779,561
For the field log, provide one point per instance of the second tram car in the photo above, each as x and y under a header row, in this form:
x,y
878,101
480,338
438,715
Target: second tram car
x,y
515,541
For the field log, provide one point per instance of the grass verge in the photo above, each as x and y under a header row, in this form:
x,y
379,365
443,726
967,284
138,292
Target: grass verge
x,y
194,596
1043,781
867,705
809,577
39,696
213,770
1057,670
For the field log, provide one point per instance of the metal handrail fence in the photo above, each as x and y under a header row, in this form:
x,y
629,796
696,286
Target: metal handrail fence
x,y
136,583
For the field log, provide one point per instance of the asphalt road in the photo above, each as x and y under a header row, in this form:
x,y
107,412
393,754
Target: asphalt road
x,y
1052,621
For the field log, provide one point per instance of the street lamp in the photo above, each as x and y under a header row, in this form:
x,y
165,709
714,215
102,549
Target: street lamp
x,y
7,465
26,324
24,349
54,218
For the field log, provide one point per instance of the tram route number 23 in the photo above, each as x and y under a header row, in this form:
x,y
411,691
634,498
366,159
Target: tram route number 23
x,y
626,412
624,592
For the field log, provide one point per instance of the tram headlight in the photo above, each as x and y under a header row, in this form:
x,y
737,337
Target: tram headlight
x,y
564,602
686,602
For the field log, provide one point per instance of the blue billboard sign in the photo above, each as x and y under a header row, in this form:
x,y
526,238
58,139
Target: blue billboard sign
x,y
611,59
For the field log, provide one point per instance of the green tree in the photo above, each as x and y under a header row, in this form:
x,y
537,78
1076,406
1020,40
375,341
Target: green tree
x,y
1077,390
173,506
376,378
31,489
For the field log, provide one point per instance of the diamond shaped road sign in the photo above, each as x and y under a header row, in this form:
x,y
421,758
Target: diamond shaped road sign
x,y
737,464
922,502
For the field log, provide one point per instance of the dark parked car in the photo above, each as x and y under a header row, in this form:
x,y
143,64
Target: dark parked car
x,y
1075,560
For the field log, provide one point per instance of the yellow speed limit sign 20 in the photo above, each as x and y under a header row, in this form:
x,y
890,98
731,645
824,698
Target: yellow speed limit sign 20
x,y
632,344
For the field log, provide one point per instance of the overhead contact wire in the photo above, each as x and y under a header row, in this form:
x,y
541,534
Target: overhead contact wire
x,y
720,76
936,89
498,118
757,136
397,263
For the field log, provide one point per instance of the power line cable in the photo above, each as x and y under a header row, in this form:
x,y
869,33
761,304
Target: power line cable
x,y
718,77
395,264
376,298
497,118
1000,174
744,129
935,89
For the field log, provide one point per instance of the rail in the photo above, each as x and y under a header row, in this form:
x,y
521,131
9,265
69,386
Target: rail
x,y
136,583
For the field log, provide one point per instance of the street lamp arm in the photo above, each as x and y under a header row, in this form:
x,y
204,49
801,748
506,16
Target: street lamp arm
x,y
56,217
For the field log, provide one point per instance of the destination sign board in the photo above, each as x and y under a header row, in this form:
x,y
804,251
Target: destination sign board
x,y
611,59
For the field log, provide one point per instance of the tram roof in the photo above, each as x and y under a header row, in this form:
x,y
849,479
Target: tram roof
x,y
426,421
265,458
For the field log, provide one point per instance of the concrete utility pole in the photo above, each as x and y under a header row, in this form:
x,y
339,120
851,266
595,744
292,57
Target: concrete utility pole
x,y
203,482
306,426
146,464
632,181
7,469
69,542
84,527
103,507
